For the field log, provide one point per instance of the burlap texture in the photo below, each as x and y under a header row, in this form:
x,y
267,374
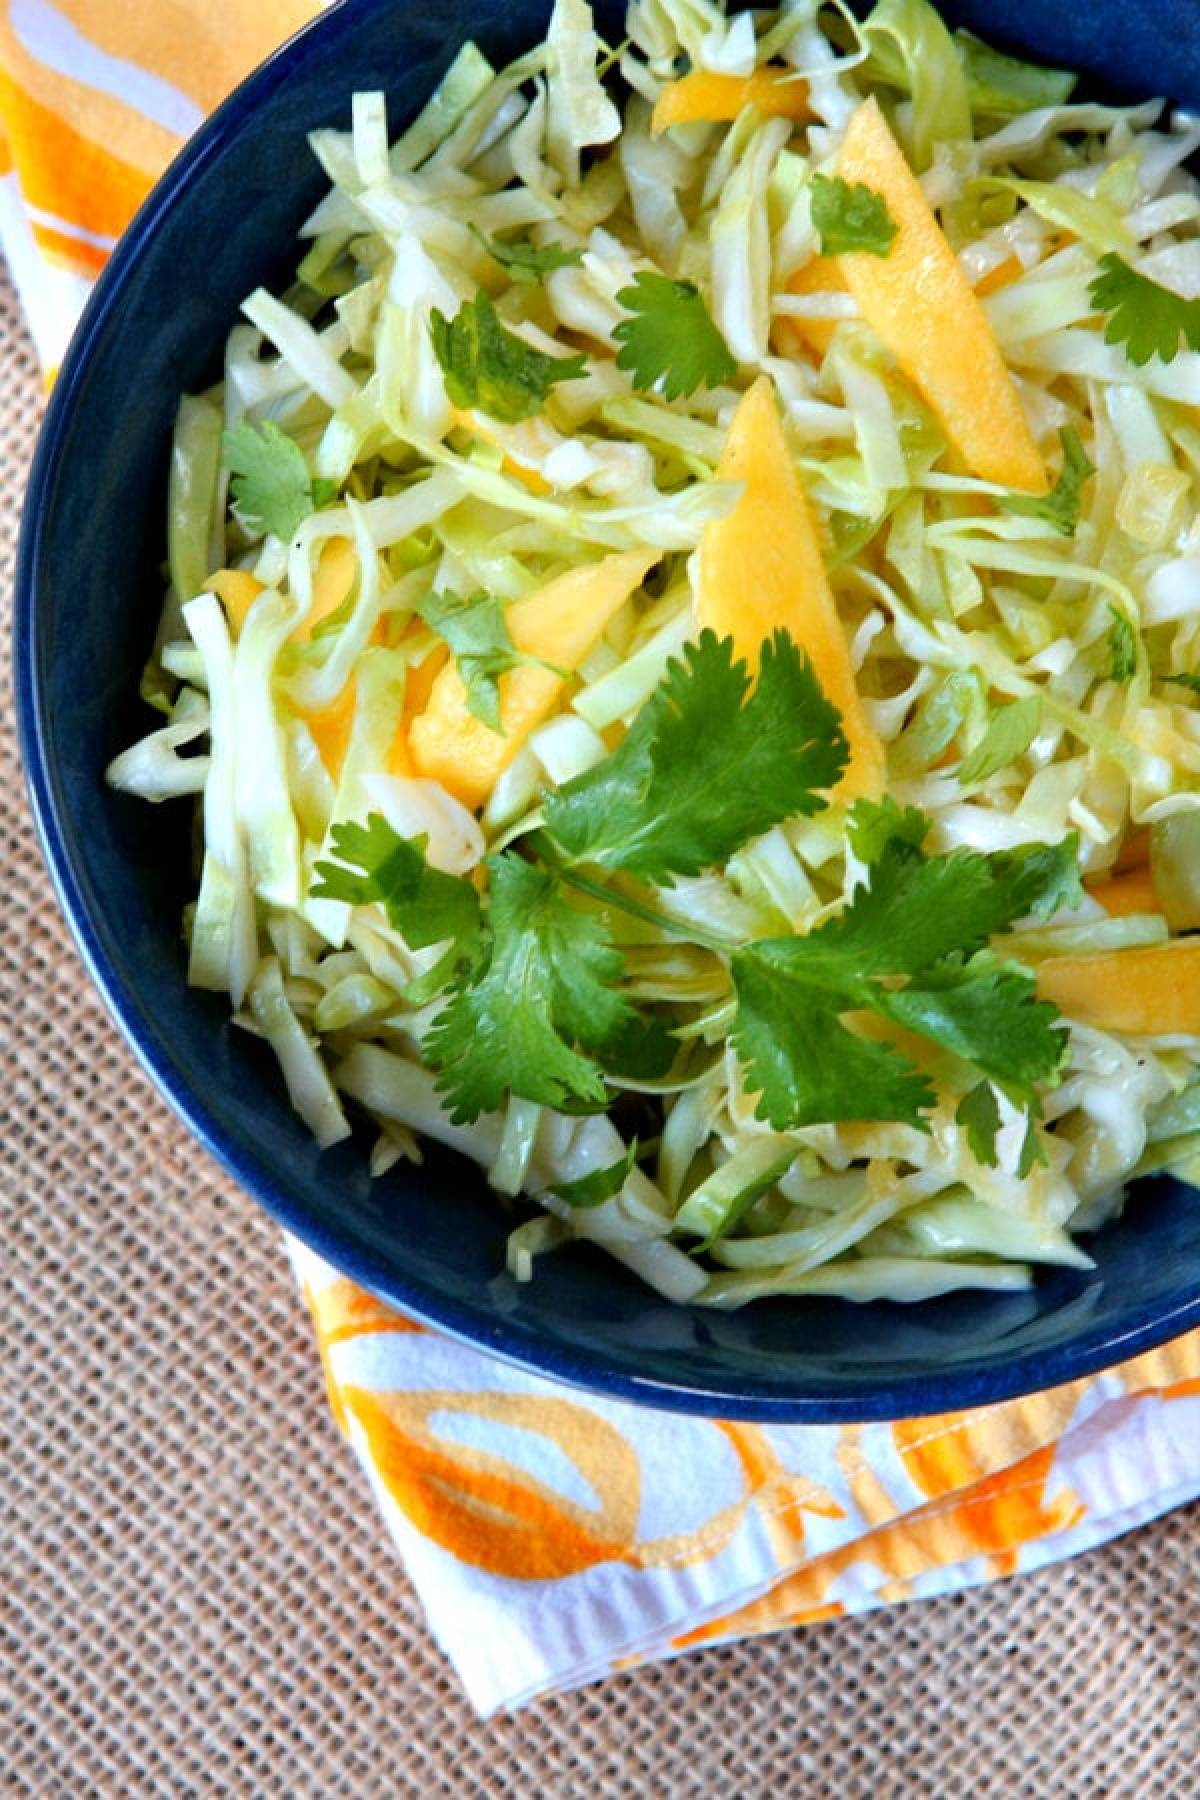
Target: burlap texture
x,y
198,1596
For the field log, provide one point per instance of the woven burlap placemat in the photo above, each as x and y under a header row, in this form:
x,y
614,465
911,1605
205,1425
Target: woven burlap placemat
x,y
198,1597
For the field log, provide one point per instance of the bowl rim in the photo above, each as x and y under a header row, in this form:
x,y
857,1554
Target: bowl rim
x,y
964,1384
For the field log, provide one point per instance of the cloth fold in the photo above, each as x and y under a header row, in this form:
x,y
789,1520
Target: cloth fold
x,y
554,1536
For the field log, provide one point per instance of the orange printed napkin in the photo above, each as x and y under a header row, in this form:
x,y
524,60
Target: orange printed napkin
x,y
554,1536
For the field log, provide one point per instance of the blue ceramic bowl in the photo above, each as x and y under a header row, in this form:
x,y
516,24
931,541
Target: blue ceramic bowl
x,y
88,592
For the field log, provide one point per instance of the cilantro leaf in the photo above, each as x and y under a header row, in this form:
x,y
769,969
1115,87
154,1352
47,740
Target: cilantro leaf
x,y
545,1002
489,367
671,342
703,767
871,828
978,1112
475,629
917,909
272,488
987,1012
425,905
1149,320
850,218
811,1069
1010,731
910,947
525,261
598,1185
1060,507
1122,647
642,1048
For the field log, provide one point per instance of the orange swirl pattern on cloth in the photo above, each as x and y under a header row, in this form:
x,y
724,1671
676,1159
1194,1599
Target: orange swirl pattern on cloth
x,y
96,97
554,1536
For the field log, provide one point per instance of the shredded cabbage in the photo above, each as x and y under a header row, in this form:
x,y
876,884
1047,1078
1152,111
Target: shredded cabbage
x,y
287,719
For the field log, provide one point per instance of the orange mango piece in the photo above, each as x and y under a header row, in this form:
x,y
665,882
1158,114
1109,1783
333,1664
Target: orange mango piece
x,y
530,478
560,623
477,424
1131,891
418,686
760,570
702,96
337,566
1002,276
331,728
421,677
1152,989
237,590
333,577
917,299
820,276
1134,849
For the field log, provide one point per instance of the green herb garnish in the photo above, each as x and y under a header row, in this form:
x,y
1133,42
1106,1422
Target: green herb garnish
x,y
1149,320
533,996
525,261
1060,507
476,632
670,343
1122,647
489,367
850,218
272,488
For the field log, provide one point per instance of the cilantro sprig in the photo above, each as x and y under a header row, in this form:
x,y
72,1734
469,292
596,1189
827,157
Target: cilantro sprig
x,y
490,367
474,628
849,217
272,487
543,1006
670,342
978,1112
425,905
910,947
1061,506
1145,317
708,763
525,261
533,979
1121,640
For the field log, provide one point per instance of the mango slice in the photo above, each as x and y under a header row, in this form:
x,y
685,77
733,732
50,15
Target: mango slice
x,y
1130,892
332,726
337,565
333,577
560,622
759,570
237,590
702,96
917,299
1151,989
820,276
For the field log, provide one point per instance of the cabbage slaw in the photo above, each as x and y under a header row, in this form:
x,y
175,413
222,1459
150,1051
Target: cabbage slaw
x,y
953,608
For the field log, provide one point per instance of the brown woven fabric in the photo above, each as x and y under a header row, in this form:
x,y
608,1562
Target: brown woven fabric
x,y
198,1597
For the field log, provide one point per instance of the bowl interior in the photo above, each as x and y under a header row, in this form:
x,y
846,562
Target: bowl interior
x,y
89,588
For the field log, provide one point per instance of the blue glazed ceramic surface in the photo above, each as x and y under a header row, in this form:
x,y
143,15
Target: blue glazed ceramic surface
x,y
432,1239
